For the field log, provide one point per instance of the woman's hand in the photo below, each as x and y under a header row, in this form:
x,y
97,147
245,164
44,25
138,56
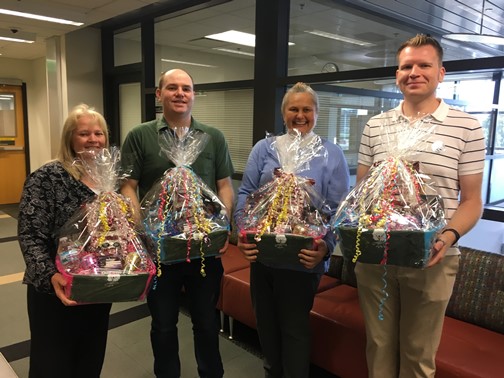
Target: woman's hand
x,y
248,249
59,282
311,258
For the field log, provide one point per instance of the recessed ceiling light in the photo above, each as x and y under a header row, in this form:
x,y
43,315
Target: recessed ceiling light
x,y
18,36
237,37
338,37
39,17
188,63
239,52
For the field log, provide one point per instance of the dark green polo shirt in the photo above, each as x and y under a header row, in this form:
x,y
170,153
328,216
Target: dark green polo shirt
x,y
142,155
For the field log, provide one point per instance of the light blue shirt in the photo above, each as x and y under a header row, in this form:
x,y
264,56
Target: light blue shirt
x,y
331,176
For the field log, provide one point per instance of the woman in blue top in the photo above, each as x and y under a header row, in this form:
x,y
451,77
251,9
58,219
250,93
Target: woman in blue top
x,y
282,296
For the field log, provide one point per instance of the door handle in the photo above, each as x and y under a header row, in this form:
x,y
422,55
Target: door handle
x,y
11,148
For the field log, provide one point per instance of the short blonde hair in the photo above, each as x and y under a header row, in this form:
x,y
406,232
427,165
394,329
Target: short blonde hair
x,y
66,154
420,40
300,88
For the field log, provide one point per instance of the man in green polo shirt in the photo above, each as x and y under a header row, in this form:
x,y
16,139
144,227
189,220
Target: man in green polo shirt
x,y
214,167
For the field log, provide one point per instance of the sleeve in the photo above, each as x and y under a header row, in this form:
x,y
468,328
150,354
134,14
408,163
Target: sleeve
x,y
365,152
251,178
339,178
224,165
472,159
131,159
35,230
338,186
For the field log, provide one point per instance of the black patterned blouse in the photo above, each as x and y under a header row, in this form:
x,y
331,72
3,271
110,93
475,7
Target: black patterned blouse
x,y
50,197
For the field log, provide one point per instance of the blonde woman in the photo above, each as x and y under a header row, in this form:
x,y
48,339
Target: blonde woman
x,y
66,340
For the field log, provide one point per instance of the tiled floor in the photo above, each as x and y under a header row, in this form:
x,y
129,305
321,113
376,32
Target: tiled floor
x,y
128,350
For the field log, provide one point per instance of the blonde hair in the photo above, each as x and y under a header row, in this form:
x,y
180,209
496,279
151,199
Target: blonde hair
x,y
420,40
66,154
300,88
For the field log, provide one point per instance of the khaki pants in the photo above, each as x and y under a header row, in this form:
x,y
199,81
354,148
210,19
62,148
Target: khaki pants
x,y
412,303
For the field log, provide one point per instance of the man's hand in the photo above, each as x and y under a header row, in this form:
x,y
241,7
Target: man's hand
x,y
438,252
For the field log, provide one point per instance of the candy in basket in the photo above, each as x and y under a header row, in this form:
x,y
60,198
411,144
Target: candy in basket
x,y
392,216
183,216
286,214
100,251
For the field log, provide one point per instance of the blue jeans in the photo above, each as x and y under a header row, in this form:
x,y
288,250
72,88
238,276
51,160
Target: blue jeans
x,y
202,294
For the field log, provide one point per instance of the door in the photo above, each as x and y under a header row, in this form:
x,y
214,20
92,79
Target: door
x,y
12,144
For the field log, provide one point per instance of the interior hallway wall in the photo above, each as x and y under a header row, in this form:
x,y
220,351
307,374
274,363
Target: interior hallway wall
x,y
33,74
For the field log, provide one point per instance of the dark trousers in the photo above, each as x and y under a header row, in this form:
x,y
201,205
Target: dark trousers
x,y
202,294
282,300
66,341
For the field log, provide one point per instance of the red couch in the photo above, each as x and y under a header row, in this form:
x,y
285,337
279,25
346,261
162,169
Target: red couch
x,y
473,337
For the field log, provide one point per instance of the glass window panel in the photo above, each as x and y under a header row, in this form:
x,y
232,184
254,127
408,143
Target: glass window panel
x,y
231,112
7,115
180,43
342,118
127,47
499,134
497,189
331,36
130,109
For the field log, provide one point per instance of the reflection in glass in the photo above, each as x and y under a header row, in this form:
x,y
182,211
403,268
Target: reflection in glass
x,y
127,47
7,115
180,43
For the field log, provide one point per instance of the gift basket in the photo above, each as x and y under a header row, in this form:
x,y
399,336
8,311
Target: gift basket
x,y
392,215
286,214
182,215
100,251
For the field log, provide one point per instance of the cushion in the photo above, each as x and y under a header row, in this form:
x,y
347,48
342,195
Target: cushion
x,y
478,294
469,351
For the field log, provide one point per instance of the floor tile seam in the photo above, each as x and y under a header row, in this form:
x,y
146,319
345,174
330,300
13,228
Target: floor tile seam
x,y
8,239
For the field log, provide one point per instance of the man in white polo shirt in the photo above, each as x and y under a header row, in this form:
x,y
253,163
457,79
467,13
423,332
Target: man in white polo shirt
x,y
405,341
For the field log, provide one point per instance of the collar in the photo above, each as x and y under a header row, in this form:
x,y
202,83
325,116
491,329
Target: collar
x,y
439,114
162,124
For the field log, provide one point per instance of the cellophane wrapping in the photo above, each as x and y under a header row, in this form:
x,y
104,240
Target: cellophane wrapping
x,y
183,216
393,214
100,249
286,214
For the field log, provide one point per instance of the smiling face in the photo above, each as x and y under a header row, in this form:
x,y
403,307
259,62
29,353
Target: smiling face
x,y
176,94
419,72
300,112
88,135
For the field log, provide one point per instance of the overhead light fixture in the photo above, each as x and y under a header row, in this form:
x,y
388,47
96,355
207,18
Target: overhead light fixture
x,y
188,63
239,52
39,17
233,36
477,38
338,37
237,37
14,35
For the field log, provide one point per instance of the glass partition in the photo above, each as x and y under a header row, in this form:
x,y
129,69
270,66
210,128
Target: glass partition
x,y
181,42
7,115
127,46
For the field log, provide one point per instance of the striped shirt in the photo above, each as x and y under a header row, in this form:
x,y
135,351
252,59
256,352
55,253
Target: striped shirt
x,y
455,147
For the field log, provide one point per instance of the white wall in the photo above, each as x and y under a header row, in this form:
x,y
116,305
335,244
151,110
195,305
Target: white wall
x,y
82,82
33,74
84,68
